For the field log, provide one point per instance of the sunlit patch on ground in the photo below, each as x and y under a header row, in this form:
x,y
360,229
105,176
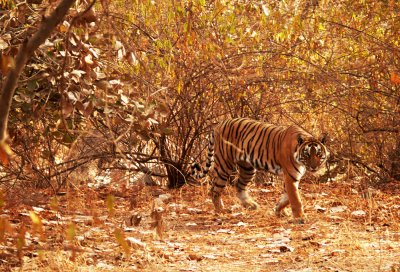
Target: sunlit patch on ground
x,y
88,230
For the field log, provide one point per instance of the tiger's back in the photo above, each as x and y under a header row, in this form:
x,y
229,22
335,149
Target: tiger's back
x,y
262,146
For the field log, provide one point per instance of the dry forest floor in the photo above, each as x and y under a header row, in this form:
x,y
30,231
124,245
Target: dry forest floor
x,y
347,229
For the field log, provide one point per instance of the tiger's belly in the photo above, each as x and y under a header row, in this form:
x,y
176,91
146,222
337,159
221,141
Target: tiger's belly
x,y
277,169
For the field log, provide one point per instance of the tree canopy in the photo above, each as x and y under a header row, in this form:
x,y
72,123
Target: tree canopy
x,y
146,80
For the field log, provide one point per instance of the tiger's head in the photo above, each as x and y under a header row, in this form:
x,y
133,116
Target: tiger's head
x,y
311,152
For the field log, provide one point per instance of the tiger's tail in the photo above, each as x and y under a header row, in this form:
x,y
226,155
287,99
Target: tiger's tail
x,y
198,171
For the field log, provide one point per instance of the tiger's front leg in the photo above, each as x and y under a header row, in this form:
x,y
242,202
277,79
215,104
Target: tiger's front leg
x,y
292,197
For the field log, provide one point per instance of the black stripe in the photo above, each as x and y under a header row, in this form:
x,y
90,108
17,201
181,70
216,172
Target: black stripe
x,y
254,142
274,144
246,174
223,128
294,166
219,186
220,151
259,164
268,139
247,169
272,164
229,138
216,160
220,176
243,130
196,166
247,128
248,131
231,128
283,136
243,182
264,147
239,127
236,128
257,145
294,180
250,142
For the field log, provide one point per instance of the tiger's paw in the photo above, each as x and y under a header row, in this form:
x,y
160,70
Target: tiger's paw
x,y
298,221
219,205
219,208
250,204
281,213
247,201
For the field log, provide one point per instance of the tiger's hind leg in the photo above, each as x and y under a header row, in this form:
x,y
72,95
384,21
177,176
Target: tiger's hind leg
x,y
246,174
220,181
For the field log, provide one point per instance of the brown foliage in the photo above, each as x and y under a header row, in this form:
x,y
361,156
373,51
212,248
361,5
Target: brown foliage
x,y
135,87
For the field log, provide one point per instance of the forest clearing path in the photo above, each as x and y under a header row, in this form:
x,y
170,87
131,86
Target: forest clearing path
x,y
343,232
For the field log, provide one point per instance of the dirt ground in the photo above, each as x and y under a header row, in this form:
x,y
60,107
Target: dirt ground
x,y
347,229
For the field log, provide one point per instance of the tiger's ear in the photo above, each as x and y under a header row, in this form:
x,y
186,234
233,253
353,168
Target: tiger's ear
x,y
300,140
324,138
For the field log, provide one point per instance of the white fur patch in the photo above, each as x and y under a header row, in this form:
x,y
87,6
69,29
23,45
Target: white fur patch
x,y
243,195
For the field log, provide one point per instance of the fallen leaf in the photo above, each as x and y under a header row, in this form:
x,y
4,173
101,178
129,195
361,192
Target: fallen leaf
x,y
78,73
338,209
394,78
86,219
226,231
358,214
337,252
135,242
133,220
210,256
335,218
38,209
88,59
320,209
285,248
3,44
104,266
195,257
270,258
241,224
194,210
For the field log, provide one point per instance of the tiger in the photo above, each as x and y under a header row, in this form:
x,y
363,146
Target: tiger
x,y
241,146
